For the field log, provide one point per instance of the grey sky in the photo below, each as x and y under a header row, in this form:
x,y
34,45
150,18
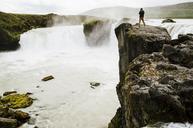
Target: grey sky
x,y
75,6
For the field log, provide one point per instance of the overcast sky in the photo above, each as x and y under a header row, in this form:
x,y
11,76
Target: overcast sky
x,y
75,6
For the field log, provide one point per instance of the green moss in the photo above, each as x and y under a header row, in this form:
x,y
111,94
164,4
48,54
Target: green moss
x,y
148,70
17,101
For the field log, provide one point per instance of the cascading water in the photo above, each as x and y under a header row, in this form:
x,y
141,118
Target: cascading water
x,y
182,26
176,29
68,101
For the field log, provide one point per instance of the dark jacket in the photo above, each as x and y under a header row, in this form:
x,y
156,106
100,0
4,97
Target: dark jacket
x,y
141,13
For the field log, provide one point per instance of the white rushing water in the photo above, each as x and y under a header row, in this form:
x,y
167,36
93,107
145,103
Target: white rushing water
x,y
182,26
68,101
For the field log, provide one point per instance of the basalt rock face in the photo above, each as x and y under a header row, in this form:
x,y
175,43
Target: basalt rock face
x,y
181,52
153,87
134,41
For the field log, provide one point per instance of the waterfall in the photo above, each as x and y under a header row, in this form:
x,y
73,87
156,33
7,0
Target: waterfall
x,y
176,29
68,101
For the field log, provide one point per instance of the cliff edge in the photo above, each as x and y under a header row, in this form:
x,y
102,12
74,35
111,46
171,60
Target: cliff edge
x,y
156,77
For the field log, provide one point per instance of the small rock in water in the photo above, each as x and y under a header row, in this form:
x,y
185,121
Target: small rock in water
x,y
47,78
94,84
29,93
9,92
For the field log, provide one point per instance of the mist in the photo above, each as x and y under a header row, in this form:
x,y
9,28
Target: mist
x,y
74,6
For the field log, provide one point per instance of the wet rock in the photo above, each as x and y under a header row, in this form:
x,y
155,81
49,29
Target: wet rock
x,y
95,84
32,121
181,54
185,37
47,78
168,21
8,123
29,93
19,116
17,101
8,93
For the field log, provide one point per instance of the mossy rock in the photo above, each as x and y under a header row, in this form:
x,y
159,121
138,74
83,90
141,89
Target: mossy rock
x,y
16,101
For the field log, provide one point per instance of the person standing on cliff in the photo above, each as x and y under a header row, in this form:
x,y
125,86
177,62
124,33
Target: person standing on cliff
x,y
141,16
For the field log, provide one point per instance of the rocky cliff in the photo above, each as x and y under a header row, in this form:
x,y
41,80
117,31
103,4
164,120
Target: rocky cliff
x,y
156,77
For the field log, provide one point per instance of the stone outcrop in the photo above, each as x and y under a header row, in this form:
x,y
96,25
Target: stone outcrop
x,y
97,31
10,117
134,41
181,52
168,21
153,87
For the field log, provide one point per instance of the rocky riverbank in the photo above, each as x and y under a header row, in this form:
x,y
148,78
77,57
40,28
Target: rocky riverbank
x,y
156,77
10,116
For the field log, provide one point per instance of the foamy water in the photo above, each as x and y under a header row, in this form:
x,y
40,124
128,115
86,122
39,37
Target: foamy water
x,y
68,101
182,26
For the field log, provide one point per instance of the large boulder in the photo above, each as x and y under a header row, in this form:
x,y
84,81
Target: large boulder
x,y
97,31
153,88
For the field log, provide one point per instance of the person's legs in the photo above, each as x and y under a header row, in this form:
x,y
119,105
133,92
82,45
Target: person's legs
x,y
143,21
139,21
